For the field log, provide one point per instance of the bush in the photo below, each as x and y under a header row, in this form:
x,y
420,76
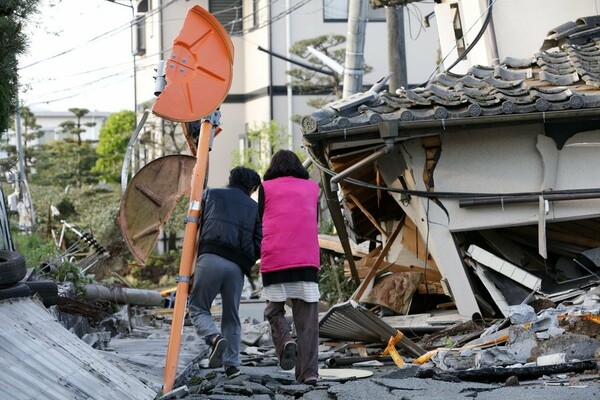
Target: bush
x,y
333,284
35,248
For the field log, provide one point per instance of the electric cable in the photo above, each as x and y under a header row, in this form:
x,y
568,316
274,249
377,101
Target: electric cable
x,y
418,15
121,28
470,47
450,195
108,33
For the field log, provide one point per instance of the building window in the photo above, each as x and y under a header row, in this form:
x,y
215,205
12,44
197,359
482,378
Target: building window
x,y
143,6
228,13
255,9
139,35
458,29
337,11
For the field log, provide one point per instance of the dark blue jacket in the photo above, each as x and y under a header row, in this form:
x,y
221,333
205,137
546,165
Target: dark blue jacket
x,y
231,227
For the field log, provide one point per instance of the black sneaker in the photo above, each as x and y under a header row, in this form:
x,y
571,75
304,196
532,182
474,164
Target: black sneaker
x,y
215,359
288,358
232,371
311,381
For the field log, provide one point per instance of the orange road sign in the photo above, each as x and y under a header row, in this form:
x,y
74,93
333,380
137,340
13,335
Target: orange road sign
x,y
198,71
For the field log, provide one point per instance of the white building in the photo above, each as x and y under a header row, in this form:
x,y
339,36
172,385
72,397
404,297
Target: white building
x,y
50,121
258,92
517,28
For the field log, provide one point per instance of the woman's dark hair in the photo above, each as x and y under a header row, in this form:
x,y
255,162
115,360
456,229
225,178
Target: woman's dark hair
x,y
244,178
285,163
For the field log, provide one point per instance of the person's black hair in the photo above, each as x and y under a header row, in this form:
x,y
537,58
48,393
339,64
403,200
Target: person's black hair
x,y
244,178
285,163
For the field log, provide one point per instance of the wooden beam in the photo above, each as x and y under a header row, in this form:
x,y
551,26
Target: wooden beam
x,y
330,242
368,215
363,285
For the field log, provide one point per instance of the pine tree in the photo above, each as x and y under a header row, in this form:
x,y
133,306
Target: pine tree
x,y
75,128
13,14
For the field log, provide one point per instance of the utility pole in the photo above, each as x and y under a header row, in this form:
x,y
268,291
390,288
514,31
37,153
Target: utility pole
x,y
354,65
394,16
20,152
24,197
288,66
132,26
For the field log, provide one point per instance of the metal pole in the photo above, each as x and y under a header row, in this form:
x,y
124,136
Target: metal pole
x,y
288,66
358,165
134,64
20,148
354,64
128,152
131,27
396,47
188,252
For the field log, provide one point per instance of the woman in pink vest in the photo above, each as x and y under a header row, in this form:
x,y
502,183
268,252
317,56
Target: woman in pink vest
x,y
290,262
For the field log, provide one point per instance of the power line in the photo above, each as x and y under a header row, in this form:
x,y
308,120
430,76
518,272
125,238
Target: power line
x,y
62,53
108,33
79,93
86,84
485,12
144,67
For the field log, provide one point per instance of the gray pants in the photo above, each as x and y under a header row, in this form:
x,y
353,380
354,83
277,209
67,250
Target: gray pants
x,y
214,275
306,320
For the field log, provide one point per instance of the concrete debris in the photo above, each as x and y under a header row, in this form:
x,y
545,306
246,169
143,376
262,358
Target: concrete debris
x,y
551,359
521,314
176,393
98,340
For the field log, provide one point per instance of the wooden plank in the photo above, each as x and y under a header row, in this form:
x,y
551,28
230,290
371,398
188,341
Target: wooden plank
x,y
430,274
368,215
330,242
430,288
412,241
363,285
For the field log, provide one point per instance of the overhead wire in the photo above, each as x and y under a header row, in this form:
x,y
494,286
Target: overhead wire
x,y
150,13
270,20
488,13
418,15
79,93
106,34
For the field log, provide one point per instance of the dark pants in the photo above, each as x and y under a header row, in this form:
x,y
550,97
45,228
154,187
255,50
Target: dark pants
x,y
306,320
214,275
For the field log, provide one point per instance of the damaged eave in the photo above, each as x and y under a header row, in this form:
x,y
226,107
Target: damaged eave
x,y
319,140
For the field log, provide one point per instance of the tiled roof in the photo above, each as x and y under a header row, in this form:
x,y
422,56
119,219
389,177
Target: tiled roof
x,y
564,75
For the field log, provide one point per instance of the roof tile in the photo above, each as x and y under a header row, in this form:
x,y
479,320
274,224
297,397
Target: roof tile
x,y
564,74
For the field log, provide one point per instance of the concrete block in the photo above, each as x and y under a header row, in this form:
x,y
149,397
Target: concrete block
x,y
551,359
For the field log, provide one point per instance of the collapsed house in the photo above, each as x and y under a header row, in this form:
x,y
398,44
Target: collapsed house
x,y
476,192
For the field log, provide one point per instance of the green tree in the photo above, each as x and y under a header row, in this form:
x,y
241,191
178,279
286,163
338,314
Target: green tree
x,y
262,141
114,137
313,82
308,81
29,132
75,128
64,163
13,14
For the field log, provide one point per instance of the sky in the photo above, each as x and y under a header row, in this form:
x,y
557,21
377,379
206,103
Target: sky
x,y
79,55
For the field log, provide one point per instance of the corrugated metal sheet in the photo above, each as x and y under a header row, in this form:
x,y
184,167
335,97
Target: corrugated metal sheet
x,y
40,360
351,321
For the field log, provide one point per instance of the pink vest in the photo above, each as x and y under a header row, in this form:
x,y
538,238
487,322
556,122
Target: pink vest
x,y
290,228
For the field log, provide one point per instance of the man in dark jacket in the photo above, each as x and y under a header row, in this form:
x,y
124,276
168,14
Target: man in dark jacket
x,y
228,248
